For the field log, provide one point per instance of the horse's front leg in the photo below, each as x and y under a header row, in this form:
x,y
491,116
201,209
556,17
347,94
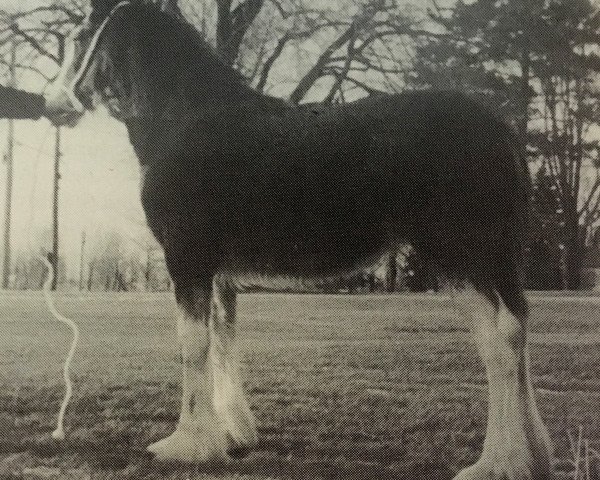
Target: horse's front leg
x,y
199,435
229,399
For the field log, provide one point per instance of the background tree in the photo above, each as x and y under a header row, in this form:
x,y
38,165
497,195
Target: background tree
x,y
545,247
40,33
272,43
534,61
566,141
29,273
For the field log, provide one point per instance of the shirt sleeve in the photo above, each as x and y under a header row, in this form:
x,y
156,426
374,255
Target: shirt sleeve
x,y
18,104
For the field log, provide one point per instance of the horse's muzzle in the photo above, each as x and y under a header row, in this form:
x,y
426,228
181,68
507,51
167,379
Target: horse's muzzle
x,y
60,108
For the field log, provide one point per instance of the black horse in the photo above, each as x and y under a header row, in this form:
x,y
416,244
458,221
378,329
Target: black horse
x,y
243,190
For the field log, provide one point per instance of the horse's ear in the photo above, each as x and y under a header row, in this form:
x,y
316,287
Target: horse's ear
x,y
103,5
101,8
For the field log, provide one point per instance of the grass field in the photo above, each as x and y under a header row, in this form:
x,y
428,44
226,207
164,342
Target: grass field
x,y
348,387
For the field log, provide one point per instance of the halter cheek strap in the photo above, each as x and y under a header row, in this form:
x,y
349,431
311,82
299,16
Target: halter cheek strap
x,y
75,102
85,64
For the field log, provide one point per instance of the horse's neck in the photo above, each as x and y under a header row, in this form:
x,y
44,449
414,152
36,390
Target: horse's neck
x,y
155,138
139,135
159,132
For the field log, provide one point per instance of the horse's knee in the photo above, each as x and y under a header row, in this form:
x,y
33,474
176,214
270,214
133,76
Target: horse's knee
x,y
194,299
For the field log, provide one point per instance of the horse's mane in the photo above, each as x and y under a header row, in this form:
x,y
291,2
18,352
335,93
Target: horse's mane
x,y
177,52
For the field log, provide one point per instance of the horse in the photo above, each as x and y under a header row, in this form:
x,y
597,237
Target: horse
x,y
245,191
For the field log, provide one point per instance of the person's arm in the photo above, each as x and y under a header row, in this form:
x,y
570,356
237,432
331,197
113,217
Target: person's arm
x,y
18,104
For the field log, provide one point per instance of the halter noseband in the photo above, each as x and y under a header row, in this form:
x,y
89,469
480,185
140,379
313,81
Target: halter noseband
x,y
85,64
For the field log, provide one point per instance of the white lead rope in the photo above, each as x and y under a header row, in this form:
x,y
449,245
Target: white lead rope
x,y
59,433
70,89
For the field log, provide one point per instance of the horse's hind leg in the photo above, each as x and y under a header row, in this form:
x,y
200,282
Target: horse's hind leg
x,y
229,399
199,435
516,446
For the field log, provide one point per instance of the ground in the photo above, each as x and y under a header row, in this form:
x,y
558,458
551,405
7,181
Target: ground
x,y
348,387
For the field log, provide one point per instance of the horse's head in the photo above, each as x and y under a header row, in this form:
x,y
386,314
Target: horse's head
x,y
87,75
135,58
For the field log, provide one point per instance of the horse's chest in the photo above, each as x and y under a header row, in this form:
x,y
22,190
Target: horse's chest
x,y
172,189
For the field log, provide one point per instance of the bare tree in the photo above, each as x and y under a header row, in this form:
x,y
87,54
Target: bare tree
x,y
364,44
232,24
40,34
569,152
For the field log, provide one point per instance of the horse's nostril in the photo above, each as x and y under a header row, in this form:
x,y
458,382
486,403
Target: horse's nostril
x,y
148,456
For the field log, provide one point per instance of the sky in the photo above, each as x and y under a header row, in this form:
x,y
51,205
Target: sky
x,y
99,187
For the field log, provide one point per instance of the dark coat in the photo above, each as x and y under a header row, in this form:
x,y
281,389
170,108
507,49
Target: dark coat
x,y
244,186
18,104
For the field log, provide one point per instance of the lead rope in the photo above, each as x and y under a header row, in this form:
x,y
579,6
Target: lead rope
x,y
59,433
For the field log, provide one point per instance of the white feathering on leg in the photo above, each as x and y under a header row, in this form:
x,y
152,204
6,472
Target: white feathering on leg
x,y
228,399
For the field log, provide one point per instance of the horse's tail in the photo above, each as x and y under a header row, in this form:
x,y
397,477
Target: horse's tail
x,y
509,271
509,285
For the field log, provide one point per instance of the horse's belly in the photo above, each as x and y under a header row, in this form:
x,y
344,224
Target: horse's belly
x,y
253,281
288,271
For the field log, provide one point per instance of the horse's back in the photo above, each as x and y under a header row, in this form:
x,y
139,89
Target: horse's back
x,y
307,192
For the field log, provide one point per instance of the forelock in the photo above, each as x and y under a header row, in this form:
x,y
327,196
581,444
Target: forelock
x,y
100,9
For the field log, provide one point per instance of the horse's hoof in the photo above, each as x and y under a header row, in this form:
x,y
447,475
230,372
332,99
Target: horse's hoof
x,y
190,446
237,450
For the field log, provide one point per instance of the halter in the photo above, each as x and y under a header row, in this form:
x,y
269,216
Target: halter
x,y
85,64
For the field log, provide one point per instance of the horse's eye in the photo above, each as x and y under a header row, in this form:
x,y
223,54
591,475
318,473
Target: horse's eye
x,y
82,35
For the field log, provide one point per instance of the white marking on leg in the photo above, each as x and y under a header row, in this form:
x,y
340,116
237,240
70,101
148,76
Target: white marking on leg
x,y
199,436
229,399
517,446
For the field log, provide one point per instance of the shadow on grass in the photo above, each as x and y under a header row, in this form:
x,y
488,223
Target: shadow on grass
x,y
272,459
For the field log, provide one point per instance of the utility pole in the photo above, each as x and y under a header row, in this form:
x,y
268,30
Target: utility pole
x,y
81,260
148,267
57,154
54,259
8,158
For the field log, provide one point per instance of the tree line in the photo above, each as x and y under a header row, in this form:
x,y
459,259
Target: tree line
x,y
107,263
